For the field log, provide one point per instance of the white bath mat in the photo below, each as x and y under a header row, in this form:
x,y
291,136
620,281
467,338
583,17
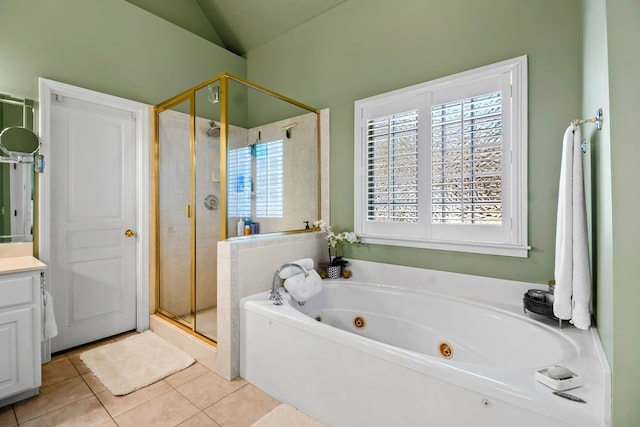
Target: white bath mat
x,y
285,415
135,362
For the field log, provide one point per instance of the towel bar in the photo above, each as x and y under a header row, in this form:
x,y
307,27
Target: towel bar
x,y
597,120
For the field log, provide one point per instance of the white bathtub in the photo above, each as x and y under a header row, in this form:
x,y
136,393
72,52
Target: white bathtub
x,y
392,373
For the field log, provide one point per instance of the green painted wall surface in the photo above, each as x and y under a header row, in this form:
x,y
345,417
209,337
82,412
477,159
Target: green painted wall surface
x,y
597,164
186,14
109,46
366,47
623,33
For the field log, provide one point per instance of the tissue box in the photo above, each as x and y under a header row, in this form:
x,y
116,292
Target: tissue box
x,y
559,384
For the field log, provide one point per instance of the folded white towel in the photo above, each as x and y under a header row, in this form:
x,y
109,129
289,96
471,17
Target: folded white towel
x,y
49,326
572,270
304,288
306,263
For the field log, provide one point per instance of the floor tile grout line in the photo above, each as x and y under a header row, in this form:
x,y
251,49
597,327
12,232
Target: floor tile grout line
x,y
66,379
143,403
96,396
49,412
227,395
15,416
200,411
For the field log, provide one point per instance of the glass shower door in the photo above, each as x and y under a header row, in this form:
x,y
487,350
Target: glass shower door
x,y
174,223
207,208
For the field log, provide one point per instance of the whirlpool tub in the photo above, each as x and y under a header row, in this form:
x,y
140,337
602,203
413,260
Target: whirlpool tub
x,y
364,354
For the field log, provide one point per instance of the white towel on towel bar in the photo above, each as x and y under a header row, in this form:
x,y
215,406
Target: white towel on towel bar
x,y
49,325
572,270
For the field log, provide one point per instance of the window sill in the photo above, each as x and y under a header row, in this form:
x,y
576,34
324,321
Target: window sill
x,y
470,247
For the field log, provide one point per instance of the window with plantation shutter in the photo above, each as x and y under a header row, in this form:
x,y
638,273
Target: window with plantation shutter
x,y
239,182
257,169
442,164
466,161
392,167
269,179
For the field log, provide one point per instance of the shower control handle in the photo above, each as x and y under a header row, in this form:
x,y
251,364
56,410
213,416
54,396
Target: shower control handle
x,y
129,233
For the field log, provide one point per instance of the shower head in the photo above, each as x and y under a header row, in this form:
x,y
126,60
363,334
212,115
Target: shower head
x,y
214,129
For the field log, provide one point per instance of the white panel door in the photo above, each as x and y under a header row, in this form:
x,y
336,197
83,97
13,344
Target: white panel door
x,y
93,205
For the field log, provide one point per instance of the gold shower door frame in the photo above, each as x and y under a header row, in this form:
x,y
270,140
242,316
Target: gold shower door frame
x,y
190,95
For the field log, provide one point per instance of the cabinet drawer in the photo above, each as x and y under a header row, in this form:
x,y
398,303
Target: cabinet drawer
x,y
16,290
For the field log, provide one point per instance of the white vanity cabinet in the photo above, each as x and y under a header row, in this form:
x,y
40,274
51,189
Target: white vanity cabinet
x,y
20,326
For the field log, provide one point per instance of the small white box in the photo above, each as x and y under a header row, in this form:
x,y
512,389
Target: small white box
x,y
573,380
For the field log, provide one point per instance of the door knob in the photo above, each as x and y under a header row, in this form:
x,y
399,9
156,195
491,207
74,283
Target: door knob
x,y
129,233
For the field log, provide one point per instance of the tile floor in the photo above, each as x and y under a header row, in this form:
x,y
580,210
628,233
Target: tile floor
x,y
71,395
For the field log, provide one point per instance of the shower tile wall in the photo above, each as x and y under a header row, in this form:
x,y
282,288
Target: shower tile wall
x,y
207,221
301,159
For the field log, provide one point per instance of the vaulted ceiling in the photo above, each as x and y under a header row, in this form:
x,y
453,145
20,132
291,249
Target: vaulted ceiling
x,y
237,25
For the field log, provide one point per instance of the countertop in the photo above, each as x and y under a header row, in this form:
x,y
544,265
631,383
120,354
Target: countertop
x,y
20,264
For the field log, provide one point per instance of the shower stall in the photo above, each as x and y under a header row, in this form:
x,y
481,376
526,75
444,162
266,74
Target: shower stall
x,y
232,160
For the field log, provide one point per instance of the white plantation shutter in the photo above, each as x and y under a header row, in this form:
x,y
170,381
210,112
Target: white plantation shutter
x,y
392,167
239,185
442,164
466,161
269,179
258,168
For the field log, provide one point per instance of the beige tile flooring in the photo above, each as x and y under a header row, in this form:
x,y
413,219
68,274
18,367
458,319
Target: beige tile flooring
x,y
72,396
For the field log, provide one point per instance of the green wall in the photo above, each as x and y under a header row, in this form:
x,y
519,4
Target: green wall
x,y
611,63
598,164
109,46
366,47
623,33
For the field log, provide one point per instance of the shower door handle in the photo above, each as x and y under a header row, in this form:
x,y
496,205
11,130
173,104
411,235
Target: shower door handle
x,y
129,233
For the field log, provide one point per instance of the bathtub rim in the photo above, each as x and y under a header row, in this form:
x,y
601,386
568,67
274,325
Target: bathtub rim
x,y
520,390
513,311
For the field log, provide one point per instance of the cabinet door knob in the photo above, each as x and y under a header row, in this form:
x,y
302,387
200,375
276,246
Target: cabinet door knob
x,y
129,233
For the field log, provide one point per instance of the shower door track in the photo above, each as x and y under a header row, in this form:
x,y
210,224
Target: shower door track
x,y
185,326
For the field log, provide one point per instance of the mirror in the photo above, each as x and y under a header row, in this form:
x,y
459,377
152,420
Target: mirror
x,y
18,143
16,140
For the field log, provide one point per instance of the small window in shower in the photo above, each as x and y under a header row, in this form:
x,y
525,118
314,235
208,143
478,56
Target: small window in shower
x,y
269,179
257,168
240,178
